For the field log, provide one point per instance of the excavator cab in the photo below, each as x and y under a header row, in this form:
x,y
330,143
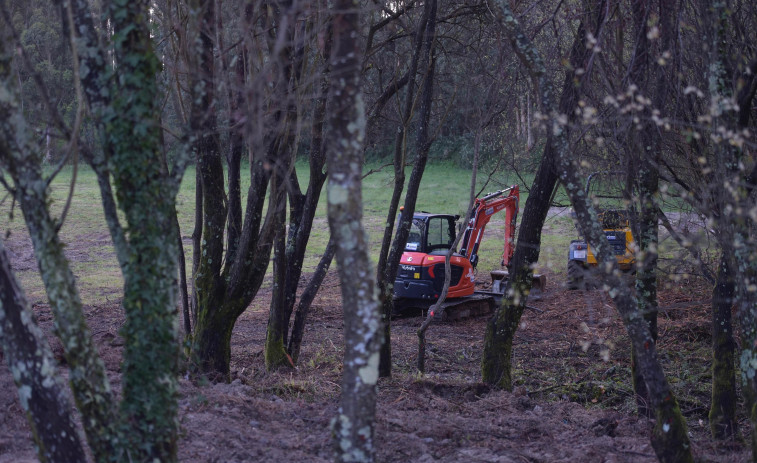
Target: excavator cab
x,y
431,232
421,273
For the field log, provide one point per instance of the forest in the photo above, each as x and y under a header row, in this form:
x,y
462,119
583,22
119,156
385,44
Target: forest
x,y
253,230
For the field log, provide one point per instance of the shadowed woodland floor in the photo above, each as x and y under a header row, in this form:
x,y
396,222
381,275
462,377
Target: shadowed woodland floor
x,y
572,400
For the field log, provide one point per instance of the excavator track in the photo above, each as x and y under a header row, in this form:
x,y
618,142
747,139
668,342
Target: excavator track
x,y
451,310
466,307
482,302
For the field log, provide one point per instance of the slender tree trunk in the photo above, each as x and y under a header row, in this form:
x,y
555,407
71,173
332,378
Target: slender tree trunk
x,y
496,364
278,321
723,406
736,231
529,123
183,292
41,392
197,241
384,281
647,148
435,310
89,382
669,437
291,251
303,307
307,213
425,43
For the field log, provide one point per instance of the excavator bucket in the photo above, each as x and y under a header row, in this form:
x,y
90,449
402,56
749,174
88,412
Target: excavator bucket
x,y
538,282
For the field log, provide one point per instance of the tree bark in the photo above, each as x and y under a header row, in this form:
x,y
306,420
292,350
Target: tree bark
x,y
289,248
423,60
722,415
735,231
302,213
90,385
645,154
353,425
496,364
224,285
41,392
146,195
303,307
669,438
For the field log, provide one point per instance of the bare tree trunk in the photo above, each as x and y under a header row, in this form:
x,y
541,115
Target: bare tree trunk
x,y
303,307
353,425
278,322
529,123
435,310
736,233
519,117
41,392
89,382
669,438
183,292
424,51
385,285
146,191
225,286
496,364
722,415
196,240
302,213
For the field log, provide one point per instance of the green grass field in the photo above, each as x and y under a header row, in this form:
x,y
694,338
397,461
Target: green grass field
x,y
444,189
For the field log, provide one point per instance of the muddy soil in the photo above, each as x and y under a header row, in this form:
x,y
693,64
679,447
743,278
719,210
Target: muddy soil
x,y
571,401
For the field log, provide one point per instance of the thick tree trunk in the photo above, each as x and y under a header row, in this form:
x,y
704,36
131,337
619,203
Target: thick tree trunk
x,y
225,283
150,366
353,425
223,297
211,343
41,392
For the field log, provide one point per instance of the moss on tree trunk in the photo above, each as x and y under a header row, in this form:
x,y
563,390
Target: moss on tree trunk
x,y
211,342
723,405
41,392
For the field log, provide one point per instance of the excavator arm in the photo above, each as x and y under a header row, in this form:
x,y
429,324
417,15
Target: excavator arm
x,y
483,210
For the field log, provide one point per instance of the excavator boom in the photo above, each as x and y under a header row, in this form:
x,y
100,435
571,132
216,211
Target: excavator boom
x,y
483,210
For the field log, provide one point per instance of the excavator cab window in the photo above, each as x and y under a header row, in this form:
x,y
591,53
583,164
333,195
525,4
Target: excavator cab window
x,y
441,233
429,233
415,238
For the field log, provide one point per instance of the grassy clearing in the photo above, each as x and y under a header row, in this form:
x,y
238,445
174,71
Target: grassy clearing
x,y
445,189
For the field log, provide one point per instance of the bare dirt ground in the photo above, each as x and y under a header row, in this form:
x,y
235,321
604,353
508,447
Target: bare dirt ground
x,y
572,400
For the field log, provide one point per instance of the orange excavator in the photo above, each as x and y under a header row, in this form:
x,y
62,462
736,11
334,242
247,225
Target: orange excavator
x,y
420,278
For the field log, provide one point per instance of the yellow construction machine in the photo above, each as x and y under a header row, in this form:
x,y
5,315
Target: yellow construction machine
x,y
605,189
